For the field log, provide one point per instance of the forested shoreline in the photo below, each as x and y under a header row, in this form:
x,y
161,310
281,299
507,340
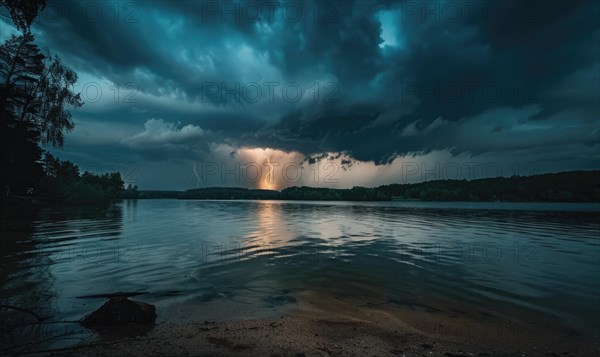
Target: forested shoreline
x,y
573,186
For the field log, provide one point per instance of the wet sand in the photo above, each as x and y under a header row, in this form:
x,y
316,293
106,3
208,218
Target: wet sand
x,y
326,326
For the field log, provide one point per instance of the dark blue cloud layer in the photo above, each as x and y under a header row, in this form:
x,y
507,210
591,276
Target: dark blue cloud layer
x,y
466,76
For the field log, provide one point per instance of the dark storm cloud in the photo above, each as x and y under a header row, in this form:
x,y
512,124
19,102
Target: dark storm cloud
x,y
459,67
410,76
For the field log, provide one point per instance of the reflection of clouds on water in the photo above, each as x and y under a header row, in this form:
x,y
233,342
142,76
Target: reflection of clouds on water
x,y
239,258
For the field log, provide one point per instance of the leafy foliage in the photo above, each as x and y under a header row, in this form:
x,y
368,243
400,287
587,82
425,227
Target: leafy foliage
x,y
63,184
23,12
37,89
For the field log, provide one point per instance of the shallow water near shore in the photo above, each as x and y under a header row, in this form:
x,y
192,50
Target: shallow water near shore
x,y
228,260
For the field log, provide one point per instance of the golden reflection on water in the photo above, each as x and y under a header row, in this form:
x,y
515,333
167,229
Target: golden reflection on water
x,y
271,230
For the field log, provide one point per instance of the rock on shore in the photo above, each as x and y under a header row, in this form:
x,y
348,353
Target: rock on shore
x,y
120,311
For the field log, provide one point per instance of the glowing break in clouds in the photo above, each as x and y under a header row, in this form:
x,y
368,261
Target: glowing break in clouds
x,y
268,168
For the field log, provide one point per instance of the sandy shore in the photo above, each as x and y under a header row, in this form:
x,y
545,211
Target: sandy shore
x,y
330,327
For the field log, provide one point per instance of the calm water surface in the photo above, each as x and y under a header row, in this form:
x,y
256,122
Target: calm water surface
x,y
200,260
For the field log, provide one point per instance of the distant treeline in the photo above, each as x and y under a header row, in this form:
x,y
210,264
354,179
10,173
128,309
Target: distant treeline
x,y
156,194
230,193
574,186
331,194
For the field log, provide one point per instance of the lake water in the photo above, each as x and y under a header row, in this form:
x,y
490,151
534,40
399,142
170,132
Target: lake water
x,y
219,260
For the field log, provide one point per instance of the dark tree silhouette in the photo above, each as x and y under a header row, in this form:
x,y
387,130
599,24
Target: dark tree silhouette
x,y
37,89
35,97
23,12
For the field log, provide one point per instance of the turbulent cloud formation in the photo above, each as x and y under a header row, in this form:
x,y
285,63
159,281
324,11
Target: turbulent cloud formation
x,y
157,132
374,81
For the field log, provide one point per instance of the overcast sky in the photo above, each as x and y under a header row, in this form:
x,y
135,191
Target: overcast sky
x,y
331,93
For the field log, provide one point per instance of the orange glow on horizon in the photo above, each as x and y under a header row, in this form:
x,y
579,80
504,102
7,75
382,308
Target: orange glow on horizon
x,y
268,163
